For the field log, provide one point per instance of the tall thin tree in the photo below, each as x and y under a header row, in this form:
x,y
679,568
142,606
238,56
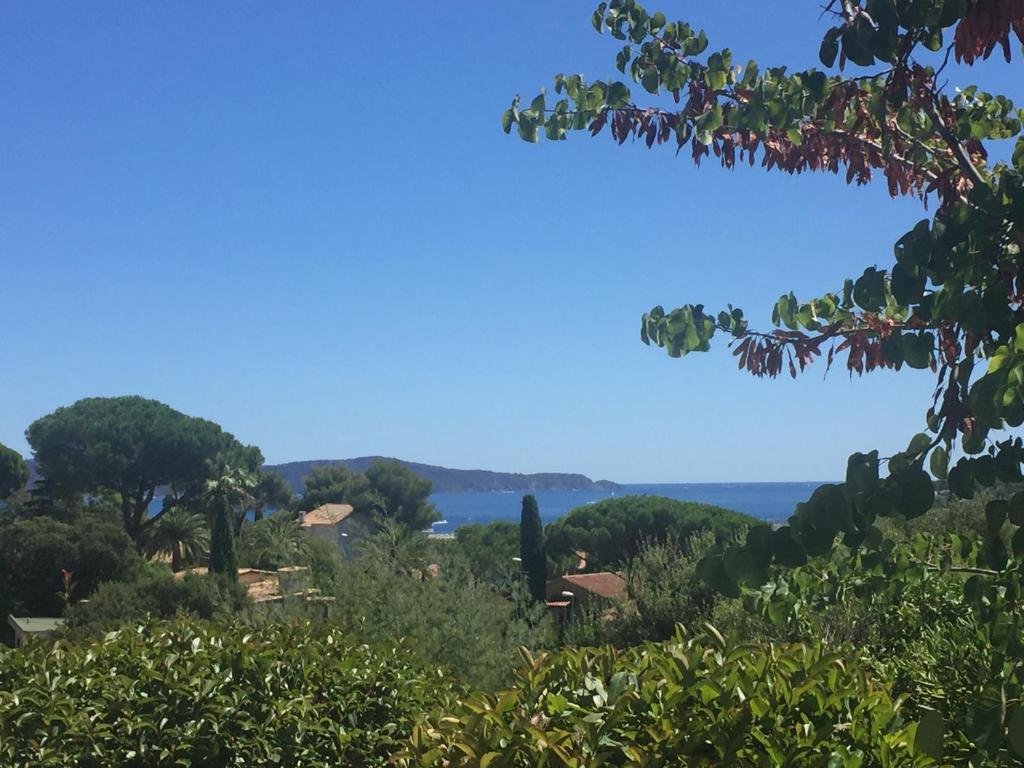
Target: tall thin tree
x,y
223,558
531,548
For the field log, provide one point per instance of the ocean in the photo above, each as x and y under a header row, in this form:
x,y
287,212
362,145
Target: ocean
x,y
771,502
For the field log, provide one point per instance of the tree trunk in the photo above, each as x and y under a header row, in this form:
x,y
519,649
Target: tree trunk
x,y
176,557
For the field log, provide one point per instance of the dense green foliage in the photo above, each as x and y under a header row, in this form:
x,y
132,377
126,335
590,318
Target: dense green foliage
x,y
662,591
13,471
877,630
154,593
612,531
274,542
336,484
489,550
401,495
188,694
132,446
688,702
180,534
387,489
271,492
34,552
400,586
532,555
951,302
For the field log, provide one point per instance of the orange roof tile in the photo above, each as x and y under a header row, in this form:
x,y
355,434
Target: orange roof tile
x,y
326,514
604,584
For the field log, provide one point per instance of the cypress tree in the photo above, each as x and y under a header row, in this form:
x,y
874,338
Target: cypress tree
x,y
223,558
531,548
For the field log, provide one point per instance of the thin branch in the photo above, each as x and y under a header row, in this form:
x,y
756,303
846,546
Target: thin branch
x,y
969,169
962,569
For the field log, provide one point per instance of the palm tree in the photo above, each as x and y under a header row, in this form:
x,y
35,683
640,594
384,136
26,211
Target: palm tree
x,y
181,533
229,490
274,542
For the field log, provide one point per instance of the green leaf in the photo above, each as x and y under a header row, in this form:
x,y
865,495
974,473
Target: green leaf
x,y
830,47
618,95
711,570
787,550
527,128
917,349
939,462
908,283
857,40
708,123
961,480
650,80
1015,508
1015,730
985,720
930,731
869,290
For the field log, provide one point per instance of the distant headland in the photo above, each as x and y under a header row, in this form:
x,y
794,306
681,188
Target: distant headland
x,y
447,480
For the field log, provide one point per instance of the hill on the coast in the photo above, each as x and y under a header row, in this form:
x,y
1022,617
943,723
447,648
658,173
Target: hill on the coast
x,y
447,480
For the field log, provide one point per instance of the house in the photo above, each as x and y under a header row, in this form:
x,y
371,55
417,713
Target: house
x,y
26,629
569,594
329,521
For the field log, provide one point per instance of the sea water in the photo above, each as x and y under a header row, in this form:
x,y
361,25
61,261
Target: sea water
x,y
771,502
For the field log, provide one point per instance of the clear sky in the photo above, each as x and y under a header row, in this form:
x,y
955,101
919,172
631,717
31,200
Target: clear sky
x,y
303,221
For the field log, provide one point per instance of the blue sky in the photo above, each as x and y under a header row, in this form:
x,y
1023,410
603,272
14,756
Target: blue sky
x,y
304,222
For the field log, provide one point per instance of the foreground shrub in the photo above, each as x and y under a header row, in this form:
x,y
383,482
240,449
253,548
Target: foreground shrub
x,y
395,588
687,702
191,694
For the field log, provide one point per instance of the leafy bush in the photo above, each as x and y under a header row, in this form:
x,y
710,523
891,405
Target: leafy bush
x,y
394,589
34,551
191,694
688,702
612,531
489,549
155,594
912,627
662,591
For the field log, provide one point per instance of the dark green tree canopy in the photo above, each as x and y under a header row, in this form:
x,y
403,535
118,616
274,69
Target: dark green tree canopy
x,y
271,492
33,553
612,531
133,446
401,495
13,472
489,548
336,484
387,488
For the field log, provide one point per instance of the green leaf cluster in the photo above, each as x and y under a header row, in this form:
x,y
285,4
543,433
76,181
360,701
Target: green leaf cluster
x,y
691,701
612,531
187,694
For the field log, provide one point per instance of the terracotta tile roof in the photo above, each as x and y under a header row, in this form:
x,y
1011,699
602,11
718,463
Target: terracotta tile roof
x,y
604,584
260,585
326,514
